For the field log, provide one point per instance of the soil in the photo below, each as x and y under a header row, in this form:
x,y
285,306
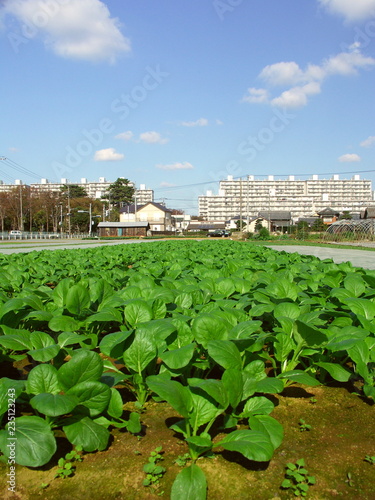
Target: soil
x,y
342,434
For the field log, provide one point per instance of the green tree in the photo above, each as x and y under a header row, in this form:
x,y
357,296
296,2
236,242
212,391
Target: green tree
x,y
73,191
345,215
120,192
318,226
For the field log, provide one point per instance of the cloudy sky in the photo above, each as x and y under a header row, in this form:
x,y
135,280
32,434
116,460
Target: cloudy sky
x,y
178,94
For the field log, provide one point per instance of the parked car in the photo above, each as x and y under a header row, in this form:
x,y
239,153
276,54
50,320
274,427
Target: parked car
x,y
15,233
218,233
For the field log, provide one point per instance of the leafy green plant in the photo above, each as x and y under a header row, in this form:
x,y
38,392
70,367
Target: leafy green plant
x,y
370,459
66,465
303,426
182,460
154,472
297,478
349,479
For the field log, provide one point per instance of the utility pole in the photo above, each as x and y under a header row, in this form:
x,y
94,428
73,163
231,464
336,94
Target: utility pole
x,y
90,228
248,203
21,209
69,215
241,205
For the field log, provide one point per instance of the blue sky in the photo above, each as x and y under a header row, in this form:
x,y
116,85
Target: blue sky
x,y
179,94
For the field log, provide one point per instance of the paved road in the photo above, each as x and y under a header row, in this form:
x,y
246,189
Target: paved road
x,y
24,247
359,258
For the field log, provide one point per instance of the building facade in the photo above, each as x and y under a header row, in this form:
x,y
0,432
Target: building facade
x,y
95,190
303,198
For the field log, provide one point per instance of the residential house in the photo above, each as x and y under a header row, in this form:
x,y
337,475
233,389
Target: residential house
x,y
328,215
277,220
159,217
115,229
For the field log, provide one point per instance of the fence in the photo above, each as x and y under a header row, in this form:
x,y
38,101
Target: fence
x,y
25,235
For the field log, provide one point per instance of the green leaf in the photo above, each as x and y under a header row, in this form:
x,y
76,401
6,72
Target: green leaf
x,y
43,379
83,366
134,423
178,358
115,407
270,385
233,383
300,377
269,426
207,326
203,410
362,307
113,343
44,347
225,353
283,289
9,389
312,336
88,434
214,388
190,484
54,405
258,405
62,323
19,341
336,371
287,310
138,312
254,445
34,442
141,352
355,285
92,394
77,300
177,395
283,346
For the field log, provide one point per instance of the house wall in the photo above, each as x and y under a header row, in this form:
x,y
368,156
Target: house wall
x,y
157,218
122,231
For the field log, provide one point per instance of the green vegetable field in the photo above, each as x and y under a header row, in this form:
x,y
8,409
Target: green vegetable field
x,y
212,334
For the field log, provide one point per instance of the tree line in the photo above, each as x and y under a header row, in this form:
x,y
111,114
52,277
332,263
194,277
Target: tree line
x,y
30,209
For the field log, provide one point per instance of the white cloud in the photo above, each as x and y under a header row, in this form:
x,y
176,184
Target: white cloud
x,y
108,154
176,166
75,30
351,10
303,83
166,184
349,158
201,122
219,122
152,138
256,95
296,97
125,136
367,143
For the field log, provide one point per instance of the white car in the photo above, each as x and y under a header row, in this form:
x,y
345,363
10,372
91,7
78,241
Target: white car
x,y
15,233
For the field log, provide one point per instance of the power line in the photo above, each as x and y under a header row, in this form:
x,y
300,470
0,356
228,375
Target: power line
x,y
19,168
277,175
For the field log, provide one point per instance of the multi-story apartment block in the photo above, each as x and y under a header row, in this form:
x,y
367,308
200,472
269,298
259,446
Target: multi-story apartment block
x,y
302,198
94,190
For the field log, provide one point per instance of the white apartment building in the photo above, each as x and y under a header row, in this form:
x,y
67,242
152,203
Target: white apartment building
x,y
303,198
94,189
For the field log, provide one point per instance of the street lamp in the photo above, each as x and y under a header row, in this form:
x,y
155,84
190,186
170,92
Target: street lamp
x,y
90,217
